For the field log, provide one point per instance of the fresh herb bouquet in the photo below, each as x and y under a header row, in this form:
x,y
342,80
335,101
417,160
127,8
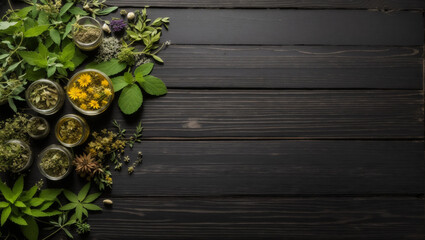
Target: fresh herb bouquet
x,y
43,41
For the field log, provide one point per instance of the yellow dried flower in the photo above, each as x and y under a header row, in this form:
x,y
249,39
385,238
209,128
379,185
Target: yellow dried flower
x,y
94,104
96,95
83,106
84,80
107,92
105,83
82,96
90,90
74,93
104,102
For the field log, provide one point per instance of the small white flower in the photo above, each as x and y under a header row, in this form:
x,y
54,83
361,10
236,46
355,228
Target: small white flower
x,y
106,28
130,16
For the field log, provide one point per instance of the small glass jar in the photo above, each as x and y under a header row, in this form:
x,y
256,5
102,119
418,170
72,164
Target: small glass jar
x,y
38,127
72,130
55,162
23,164
45,97
87,33
90,92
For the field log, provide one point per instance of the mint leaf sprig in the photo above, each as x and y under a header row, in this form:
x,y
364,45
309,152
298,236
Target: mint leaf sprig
x,y
131,98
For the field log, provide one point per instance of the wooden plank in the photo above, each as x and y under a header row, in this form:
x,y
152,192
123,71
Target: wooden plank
x,y
374,4
196,66
287,27
344,114
260,218
274,168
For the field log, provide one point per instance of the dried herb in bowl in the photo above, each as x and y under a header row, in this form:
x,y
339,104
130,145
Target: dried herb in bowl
x,y
38,127
86,33
15,156
44,96
55,163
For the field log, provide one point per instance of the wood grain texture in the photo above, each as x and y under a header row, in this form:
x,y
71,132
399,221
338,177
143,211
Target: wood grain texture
x,y
345,114
195,66
284,168
274,168
287,27
260,218
363,4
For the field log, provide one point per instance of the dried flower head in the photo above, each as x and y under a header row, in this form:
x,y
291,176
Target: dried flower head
x,y
118,25
86,165
109,49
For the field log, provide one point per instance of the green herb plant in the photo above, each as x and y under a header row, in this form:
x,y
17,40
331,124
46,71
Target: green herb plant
x,y
63,223
24,207
131,97
81,203
97,7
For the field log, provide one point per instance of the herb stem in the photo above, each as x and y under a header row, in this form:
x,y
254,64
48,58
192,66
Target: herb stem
x,y
53,233
10,5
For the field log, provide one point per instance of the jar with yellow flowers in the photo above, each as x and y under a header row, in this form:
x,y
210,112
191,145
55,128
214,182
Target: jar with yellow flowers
x,y
90,92
72,130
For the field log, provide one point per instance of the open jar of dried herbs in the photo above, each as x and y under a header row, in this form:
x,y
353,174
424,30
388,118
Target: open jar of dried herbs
x,y
17,154
90,91
55,162
72,130
45,96
87,33
38,127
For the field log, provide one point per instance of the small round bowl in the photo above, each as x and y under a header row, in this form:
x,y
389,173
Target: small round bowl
x,y
66,125
42,133
30,158
87,22
90,92
51,155
50,108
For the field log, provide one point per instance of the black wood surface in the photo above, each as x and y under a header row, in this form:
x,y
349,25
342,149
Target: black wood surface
x,y
362,4
284,120
272,67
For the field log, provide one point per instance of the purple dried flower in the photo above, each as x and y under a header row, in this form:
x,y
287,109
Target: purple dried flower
x,y
118,25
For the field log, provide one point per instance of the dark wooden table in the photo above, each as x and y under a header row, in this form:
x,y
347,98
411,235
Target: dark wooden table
x,y
284,120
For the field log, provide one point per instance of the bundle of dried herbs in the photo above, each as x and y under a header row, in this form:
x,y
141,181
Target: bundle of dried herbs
x,y
44,96
55,163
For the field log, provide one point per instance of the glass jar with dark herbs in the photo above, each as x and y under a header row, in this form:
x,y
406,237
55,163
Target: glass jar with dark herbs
x,y
16,156
55,162
38,127
45,96
87,33
72,130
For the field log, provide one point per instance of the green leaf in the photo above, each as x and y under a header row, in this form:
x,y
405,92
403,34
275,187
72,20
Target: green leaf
x,y
79,212
144,69
18,187
119,83
78,11
55,35
20,204
78,58
90,198
68,28
43,18
65,8
35,31
128,78
4,204
157,58
68,206
52,213
83,192
51,71
6,25
12,104
23,12
7,193
153,86
35,202
35,75
5,215
131,99
92,207
28,194
67,52
31,230
70,196
46,205
106,11
110,68
33,58
42,50
38,213
50,194
68,233
18,220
